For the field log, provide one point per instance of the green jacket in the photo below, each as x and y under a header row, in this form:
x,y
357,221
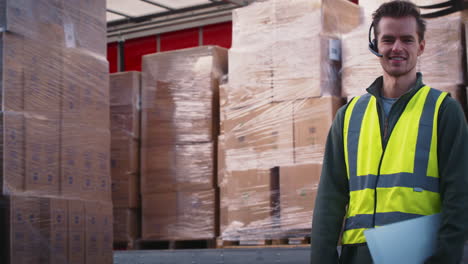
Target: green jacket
x,y
333,192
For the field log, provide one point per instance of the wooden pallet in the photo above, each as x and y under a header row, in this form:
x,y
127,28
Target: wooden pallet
x,y
176,244
280,242
125,245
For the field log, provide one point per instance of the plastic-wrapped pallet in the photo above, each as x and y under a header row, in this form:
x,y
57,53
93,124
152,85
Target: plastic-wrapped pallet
x,y
277,107
180,124
55,183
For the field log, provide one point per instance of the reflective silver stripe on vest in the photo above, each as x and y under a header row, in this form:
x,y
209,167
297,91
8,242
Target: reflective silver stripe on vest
x,y
365,220
354,130
423,144
403,179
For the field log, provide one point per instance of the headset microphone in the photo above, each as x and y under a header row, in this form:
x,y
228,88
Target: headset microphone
x,y
373,44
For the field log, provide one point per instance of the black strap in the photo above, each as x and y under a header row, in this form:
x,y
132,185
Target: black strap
x,y
453,6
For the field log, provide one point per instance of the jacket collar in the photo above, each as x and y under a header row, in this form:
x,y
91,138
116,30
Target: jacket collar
x,y
376,87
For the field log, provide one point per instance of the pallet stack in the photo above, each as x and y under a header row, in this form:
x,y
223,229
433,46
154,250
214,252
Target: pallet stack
x,y
55,187
443,68
125,162
180,117
276,110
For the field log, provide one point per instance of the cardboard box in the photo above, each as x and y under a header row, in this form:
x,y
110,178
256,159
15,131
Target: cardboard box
x,y
298,189
360,66
13,178
124,157
103,168
85,96
259,138
54,230
188,131
183,109
312,121
125,104
24,230
42,86
106,238
125,192
444,65
126,225
70,159
250,202
94,164
250,77
76,232
92,230
42,153
273,139
179,215
307,67
89,25
178,168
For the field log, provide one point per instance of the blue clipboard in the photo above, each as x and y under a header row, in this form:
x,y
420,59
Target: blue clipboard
x,y
407,242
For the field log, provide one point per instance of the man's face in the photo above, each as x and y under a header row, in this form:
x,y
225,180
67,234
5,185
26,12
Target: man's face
x,y
399,44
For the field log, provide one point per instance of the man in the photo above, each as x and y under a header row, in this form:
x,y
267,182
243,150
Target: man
x,y
396,153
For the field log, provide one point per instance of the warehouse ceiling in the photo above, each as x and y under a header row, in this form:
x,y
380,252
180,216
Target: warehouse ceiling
x,y
134,18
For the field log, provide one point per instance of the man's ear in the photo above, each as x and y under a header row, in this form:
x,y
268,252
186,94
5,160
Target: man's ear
x,y
422,45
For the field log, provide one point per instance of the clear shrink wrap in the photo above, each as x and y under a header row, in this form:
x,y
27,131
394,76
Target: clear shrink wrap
x,y
276,110
126,225
55,122
286,50
178,167
183,215
180,95
256,200
56,230
443,60
180,126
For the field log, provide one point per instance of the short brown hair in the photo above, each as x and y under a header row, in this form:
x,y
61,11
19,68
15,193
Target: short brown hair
x,y
397,9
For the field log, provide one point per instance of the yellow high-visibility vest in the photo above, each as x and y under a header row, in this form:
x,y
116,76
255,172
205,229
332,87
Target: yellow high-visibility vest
x,y
399,182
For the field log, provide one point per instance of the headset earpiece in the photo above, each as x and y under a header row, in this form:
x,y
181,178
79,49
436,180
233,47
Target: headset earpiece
x,y
373,47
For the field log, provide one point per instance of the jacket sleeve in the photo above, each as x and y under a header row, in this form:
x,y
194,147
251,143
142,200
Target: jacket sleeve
x,y
332,198
452,151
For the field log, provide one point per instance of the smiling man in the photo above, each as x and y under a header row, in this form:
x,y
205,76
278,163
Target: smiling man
x,y
398,152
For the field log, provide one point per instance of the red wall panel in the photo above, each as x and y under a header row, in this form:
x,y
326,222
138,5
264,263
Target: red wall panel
x,y
112,56
218,34
181,39
134,49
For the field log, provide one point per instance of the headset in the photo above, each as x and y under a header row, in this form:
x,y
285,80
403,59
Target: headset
x,y
373,43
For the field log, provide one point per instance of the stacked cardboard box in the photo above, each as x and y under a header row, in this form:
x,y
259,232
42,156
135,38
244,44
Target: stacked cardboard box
x,y
55,122
278,105
180,117
445,68
125,135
